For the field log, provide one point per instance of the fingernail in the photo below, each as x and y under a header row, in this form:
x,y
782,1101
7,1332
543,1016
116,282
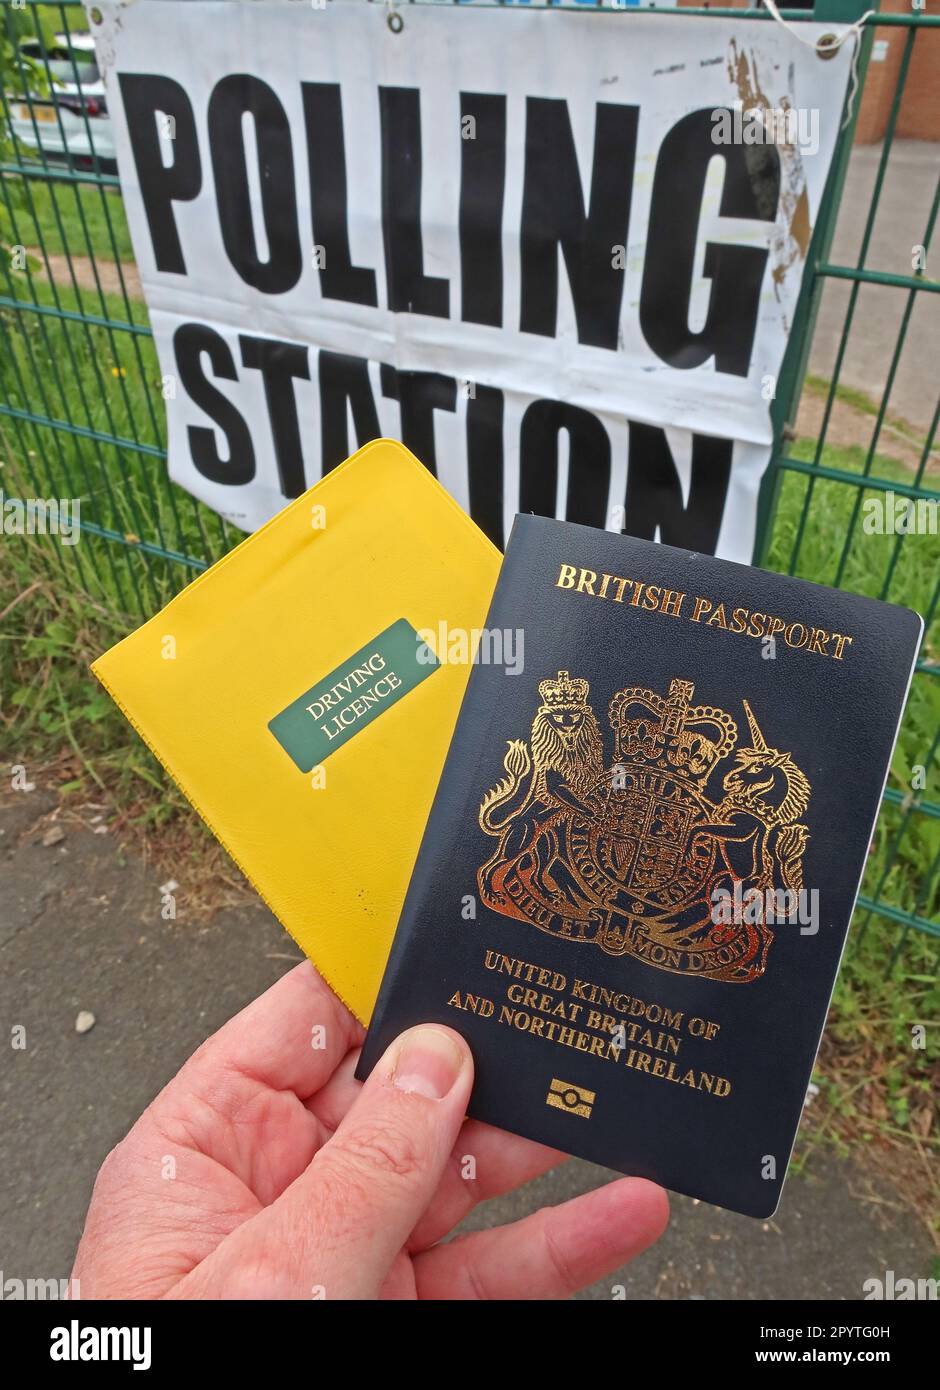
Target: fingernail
x,y
428,1061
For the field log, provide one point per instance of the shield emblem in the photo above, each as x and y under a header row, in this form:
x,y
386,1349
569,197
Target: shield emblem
x,y
641,839
616,857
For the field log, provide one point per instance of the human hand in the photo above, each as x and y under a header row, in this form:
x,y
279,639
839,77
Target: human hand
x,y
265,1170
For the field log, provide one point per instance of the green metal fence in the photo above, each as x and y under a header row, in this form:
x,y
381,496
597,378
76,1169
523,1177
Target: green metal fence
x,y
812,506
81,411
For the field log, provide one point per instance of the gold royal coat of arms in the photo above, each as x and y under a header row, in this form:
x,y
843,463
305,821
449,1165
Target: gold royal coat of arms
x,y
633,857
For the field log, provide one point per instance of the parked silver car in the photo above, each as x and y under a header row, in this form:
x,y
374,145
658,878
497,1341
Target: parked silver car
x,y
70,121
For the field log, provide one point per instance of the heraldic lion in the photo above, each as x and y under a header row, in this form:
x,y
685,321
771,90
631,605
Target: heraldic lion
x,y
543,786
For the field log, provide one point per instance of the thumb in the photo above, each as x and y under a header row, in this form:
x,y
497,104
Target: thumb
x,y
340,1225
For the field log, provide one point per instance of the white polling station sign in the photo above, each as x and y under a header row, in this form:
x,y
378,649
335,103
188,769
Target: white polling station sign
x,y
557,253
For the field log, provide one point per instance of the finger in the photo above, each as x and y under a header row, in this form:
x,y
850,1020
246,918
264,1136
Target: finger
x,y
552,1253
288,1039
340,1225
239,1098
332,1101
235,1102
484,1162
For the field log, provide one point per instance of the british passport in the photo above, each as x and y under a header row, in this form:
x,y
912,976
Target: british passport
x,y
637,877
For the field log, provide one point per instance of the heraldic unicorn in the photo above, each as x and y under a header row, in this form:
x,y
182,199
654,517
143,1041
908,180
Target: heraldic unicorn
x,y
633,857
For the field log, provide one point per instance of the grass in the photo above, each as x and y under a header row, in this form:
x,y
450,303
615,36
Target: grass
x,y
103,381
86,220
66,732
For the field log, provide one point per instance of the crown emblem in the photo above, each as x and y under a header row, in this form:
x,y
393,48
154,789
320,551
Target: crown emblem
x,y
669,732
563,692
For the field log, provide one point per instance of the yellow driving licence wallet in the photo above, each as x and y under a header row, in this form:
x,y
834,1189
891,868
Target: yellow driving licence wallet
x,y
303,692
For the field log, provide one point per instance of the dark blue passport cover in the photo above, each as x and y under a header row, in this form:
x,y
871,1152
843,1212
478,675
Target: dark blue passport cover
x,y
636,880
